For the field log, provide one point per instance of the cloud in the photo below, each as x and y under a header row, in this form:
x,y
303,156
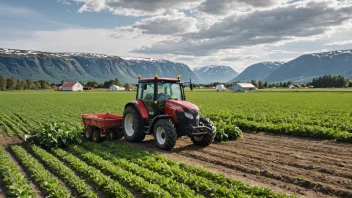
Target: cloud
x,y
216,7
291,22
136,7
103,41
170,24
339,43
64,2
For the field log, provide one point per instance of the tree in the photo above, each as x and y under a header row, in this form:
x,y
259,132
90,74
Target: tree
x,y
44,84
18,85
37,85
30,84
24,85
11,83
3,83
260,85
117,82
127,86
265,84
254,83
62,82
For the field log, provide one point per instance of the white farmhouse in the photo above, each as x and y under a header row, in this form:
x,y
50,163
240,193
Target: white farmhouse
x,y
116,88
243,87
220,87
72,86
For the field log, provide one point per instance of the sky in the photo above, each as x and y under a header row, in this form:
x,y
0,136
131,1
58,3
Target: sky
x,y
236,33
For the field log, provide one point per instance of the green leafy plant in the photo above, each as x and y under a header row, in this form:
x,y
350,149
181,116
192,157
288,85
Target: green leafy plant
x,y
46,181
16,184
110,187
52,134
65,173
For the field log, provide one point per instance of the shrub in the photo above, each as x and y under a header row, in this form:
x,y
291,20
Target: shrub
x,y
52,134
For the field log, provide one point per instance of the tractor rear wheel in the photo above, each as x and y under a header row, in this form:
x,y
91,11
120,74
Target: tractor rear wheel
x,y
88,132
165,134
96,137
205,140
133,125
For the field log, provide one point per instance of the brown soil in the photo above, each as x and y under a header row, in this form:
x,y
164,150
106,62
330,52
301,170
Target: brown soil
x,y
8,140
302,166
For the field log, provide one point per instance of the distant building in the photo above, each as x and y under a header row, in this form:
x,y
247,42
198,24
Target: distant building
x,y
220,88
72,86
243,87
116,88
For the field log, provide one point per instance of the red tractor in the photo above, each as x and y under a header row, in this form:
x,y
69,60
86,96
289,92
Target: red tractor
x,y
160,109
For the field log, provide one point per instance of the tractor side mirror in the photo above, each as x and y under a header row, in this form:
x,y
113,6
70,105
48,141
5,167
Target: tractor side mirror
x,y
145,86
191,86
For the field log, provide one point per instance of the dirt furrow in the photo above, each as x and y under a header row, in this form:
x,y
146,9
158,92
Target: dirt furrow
x,y
280,168
286,159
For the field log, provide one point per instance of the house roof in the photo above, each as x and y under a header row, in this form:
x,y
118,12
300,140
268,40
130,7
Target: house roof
x,y
246,85
114,86
69,84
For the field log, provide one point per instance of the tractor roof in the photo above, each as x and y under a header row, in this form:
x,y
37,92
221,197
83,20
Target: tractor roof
x,y
158,79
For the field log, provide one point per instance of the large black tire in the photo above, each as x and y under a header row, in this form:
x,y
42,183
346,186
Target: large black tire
x,y
96,137
207,139
165,134
133,125
88,132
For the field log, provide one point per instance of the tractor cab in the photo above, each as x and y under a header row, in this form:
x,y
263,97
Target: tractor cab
x,y
161,109
153,92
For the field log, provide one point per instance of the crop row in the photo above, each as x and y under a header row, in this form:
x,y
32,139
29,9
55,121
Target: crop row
x,y
147,189
47,182
200,181
65,173
290,129
16,184
175,188
110,187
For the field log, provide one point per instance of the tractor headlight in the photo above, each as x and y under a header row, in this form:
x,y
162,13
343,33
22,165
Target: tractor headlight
x,y
189,115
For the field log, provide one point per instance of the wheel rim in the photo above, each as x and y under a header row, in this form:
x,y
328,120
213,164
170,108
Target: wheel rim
x,y
160,135
129,128
198,137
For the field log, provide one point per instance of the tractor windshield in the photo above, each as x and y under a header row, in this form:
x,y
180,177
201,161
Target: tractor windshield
x,y
168,90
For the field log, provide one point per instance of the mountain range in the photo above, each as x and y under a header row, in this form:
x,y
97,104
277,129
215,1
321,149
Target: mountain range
x,y
215,73
54,67
258,71
306,67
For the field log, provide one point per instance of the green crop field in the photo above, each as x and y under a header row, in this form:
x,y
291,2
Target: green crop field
x,y
316,114
111,169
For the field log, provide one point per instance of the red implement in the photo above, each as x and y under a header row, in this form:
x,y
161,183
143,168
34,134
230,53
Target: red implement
x,y
103,121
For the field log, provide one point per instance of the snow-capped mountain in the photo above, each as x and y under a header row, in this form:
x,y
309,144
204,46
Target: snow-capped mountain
x,y
215,73
37,65
257,71
306,67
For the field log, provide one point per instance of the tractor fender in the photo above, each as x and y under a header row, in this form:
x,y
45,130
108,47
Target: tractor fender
x,y
141,108
155,119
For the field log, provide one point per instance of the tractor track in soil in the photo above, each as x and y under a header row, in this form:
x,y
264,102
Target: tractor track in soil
x,y
303,166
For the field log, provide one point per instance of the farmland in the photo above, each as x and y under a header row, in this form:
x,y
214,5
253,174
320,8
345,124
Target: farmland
x,y
288,165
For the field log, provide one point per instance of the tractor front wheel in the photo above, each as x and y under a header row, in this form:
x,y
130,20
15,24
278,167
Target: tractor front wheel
x,y
205,140
165,134
133,125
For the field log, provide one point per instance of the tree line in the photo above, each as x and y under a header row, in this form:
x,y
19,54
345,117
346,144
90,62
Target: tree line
x,y
325,81
15,84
